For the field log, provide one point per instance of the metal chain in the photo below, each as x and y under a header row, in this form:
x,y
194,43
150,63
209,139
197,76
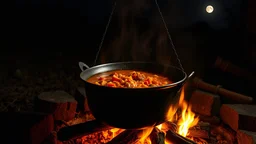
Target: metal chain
x,y
104,34
169,35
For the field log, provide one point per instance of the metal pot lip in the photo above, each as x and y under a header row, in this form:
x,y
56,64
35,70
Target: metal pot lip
x,y
139,62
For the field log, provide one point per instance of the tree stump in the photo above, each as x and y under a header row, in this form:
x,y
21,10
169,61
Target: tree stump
x,y
59,103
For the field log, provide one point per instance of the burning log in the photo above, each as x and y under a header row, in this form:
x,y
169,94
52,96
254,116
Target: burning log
x,y
239,116
59,103
24,127
169,126
246,137
205,103
175,138
132,137
236,97
127,136
80,130
201,130
100,137
210,119
157,136
198,133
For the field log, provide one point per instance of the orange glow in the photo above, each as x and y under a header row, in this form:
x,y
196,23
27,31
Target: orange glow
x,y
188,118
116,131
143,136
159,127
171,114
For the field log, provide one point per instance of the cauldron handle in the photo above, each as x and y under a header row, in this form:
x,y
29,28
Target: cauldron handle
x,y
189,77
82,65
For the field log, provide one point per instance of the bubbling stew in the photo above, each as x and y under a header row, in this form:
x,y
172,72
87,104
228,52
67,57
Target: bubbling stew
x,y
129,79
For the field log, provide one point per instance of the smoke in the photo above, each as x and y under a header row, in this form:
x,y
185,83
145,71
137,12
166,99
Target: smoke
x,y
136,33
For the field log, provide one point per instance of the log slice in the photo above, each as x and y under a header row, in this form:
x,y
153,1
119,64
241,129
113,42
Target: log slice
x,y
59,103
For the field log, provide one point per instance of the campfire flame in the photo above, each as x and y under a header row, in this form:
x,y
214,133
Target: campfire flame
x,y
144,136
183,122
186,121
188,118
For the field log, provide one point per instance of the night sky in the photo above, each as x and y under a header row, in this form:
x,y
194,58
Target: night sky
x,y
181,12
60,30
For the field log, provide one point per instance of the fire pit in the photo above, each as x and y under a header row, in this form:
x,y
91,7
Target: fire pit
x,y
191,121
175,130
198,118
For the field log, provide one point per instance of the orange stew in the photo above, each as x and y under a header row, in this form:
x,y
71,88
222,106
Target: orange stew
x,y
129,79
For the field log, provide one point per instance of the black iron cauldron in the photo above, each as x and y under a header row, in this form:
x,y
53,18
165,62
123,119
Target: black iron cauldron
x,y
132,108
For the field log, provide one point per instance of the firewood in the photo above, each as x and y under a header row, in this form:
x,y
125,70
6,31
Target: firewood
x,y
157,136
25,127
59,103
80,118
202,126
246,137
205,103
227,66
175,138
99,137
226,133
81,98
169,126
233,96
198,133
213,120
82,129
127,136
239,116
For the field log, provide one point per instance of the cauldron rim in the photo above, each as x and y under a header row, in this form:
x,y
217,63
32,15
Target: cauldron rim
x,y
133,62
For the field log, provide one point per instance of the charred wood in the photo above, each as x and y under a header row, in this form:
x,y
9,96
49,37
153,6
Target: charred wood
x,y
213,120
175,138
198,133
127,136
82,129
233,96
202,126
157,136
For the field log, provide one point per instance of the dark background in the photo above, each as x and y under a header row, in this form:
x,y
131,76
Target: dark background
x,y
40,33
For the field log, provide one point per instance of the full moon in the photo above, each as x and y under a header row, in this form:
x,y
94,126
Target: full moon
x,y
209,9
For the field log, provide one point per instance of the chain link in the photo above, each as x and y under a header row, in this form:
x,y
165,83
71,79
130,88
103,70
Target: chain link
x,y
169,36
165,25
105,32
